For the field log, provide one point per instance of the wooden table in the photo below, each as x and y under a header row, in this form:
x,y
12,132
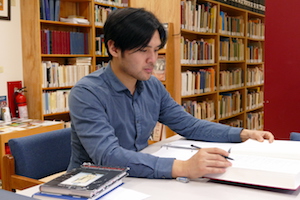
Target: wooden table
x,y
45,127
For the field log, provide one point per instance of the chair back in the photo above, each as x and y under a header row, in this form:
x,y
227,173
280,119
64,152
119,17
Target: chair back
x,y
295,136
41,155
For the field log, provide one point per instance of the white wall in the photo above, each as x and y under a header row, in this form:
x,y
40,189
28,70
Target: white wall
x,y
11,48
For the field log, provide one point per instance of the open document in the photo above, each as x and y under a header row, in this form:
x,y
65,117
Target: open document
x,y
267,164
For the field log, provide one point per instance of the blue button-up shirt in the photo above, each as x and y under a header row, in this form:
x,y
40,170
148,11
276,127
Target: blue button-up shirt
x,y
110,125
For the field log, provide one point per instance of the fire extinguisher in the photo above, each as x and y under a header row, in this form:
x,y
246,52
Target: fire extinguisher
x,y
21,105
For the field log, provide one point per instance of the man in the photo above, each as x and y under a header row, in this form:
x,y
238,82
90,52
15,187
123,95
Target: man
x,y
114,109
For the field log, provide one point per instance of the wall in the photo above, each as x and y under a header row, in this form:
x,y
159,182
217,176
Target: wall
x,y
11,48
282,67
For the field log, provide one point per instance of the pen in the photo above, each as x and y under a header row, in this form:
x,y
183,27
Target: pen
x,y
177,147
220,155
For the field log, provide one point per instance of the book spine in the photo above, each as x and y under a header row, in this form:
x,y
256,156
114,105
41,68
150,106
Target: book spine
x,y
51,9
42,10
47,9
56,10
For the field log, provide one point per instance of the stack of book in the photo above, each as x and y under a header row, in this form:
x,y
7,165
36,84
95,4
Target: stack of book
x,y
89,182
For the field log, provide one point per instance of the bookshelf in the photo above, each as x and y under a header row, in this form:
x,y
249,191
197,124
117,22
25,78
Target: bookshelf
x,y
233,63
50,42
235,77
35,51
234,74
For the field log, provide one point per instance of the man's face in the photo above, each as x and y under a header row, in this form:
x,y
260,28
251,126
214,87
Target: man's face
x,y
139,63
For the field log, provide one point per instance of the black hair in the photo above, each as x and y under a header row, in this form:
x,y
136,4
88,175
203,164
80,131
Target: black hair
x,y
132,28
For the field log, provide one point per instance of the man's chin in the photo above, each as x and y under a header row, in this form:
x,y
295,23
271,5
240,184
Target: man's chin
x,y
145,78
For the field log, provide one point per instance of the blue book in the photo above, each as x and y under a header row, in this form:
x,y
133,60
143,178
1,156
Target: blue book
x,y
47,9
222,15
48,41
41,195
56,10
42,9
72,42
80,43
202,81
51,9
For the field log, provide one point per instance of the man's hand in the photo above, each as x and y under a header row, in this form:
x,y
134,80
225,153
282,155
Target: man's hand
x,y
256,135
205,161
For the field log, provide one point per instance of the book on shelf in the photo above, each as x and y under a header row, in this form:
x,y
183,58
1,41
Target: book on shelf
x,y
230,104
80,61
100,46
3,104
199,17
201,110
157,132
275,165
56,10
255,75
231,25
159,68
200,51
254,52
75,20
257,6
51,9
255,97
42,10
56,75
122,3
255,120
46,9
63,42
256,28
234,123
231,78
196,82
101,13
88,181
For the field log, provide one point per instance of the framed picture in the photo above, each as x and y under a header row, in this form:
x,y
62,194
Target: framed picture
x,y
5,9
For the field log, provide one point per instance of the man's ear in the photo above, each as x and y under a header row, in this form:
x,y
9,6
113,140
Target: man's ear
x,y
114,51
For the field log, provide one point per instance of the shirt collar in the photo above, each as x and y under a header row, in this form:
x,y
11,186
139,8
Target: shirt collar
x,y
117,84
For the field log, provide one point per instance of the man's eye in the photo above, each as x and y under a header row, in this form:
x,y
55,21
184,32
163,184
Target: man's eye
x,y
143,50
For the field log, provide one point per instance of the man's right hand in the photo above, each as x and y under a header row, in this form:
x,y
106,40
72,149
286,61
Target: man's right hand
x,y
205,161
